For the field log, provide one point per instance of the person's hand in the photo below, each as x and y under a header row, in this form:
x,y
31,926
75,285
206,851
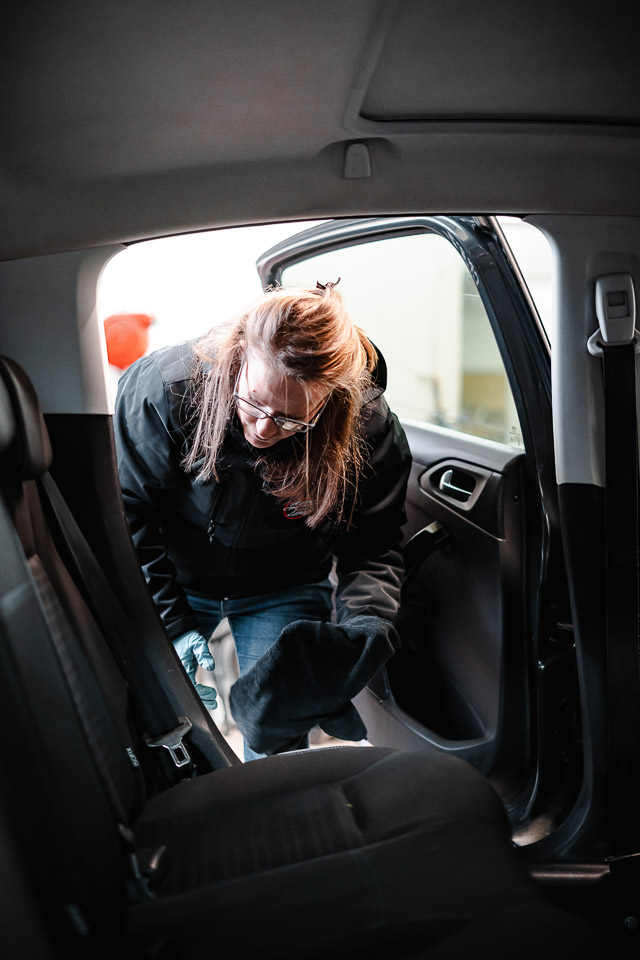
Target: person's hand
x,y
208,695
193,650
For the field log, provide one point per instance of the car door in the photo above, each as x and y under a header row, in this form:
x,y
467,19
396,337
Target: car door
x,y
484,670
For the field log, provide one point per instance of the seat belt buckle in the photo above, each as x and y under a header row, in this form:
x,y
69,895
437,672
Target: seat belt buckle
x,y
172,742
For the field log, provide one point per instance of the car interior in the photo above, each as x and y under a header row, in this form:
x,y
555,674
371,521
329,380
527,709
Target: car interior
x,y
406,145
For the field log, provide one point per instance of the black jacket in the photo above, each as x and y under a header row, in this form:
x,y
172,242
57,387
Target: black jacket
x,y
231,538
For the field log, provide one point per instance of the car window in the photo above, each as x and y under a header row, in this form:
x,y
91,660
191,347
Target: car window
x,y
185,285
533,254
416,300
413,295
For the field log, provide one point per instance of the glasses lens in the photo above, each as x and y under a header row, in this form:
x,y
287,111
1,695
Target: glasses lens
x,y
249,409
291,425
258,414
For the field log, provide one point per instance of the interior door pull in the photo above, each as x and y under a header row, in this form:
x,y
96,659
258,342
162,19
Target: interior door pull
x,y
446,485
421,545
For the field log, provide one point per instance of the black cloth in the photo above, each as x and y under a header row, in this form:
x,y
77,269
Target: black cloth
x,y
307,678
233,538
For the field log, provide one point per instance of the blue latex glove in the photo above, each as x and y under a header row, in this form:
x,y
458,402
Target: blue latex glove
x,y
193,650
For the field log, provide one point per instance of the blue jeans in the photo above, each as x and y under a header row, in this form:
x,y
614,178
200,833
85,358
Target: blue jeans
x,y
256,622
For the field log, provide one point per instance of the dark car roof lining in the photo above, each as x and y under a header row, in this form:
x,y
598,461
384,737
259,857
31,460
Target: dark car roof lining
x,y
123,121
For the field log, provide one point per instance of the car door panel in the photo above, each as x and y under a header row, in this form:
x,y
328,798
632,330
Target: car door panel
x,y
444,686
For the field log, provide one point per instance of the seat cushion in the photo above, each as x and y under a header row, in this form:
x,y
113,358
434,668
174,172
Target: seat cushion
x,y
530,931
332,849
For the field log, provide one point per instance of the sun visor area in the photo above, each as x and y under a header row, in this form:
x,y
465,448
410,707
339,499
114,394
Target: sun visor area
x,y
411,76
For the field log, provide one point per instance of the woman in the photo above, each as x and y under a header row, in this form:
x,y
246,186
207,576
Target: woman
x,y
252,458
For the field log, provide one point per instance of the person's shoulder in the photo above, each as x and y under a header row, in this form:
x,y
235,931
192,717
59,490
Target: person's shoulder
x,y
378,378
158,378
161,368
377,418
380,426
375,409
379,373
174,364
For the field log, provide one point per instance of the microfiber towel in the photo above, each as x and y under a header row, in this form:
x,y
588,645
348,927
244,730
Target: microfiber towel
x,y
308,677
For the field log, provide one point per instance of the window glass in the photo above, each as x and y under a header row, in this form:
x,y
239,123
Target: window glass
x,y
416,300
413,295
534,257
183,285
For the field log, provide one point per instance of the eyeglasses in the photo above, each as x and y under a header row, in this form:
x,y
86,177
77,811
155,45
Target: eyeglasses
x,y
283,423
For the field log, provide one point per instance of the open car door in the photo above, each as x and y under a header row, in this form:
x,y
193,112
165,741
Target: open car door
x,y
486,669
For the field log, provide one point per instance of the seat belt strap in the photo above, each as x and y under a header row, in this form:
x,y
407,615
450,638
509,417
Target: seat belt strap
x,y
162,728
622,594
42,759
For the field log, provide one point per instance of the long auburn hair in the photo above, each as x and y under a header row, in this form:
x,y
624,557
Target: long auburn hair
x,y
306,335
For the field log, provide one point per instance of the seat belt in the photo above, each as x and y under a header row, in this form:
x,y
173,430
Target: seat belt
x,y
48,662
617,340
162,729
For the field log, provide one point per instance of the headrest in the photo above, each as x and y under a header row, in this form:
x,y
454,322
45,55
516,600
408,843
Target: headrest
x,y
7,419
25,448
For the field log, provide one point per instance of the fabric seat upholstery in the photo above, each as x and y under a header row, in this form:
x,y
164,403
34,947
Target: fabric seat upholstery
x,y
411,845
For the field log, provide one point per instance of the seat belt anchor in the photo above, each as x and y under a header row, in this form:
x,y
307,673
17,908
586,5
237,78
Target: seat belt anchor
x,y
172,742
616,313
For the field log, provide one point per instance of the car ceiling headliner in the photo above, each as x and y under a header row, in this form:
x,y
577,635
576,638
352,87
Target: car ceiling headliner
x,y
122,120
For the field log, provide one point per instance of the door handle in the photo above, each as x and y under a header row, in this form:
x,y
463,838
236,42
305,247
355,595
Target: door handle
x,y
447,486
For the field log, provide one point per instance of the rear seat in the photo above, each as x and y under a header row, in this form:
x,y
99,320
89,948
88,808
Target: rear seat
x,y
346,851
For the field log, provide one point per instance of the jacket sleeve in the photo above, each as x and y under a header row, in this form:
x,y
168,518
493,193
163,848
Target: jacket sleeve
x,y
149,454
369,560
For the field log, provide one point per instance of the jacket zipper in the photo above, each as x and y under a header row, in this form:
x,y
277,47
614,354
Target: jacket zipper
x,y
214,510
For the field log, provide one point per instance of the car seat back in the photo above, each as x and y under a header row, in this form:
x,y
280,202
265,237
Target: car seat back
x,y
71,771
